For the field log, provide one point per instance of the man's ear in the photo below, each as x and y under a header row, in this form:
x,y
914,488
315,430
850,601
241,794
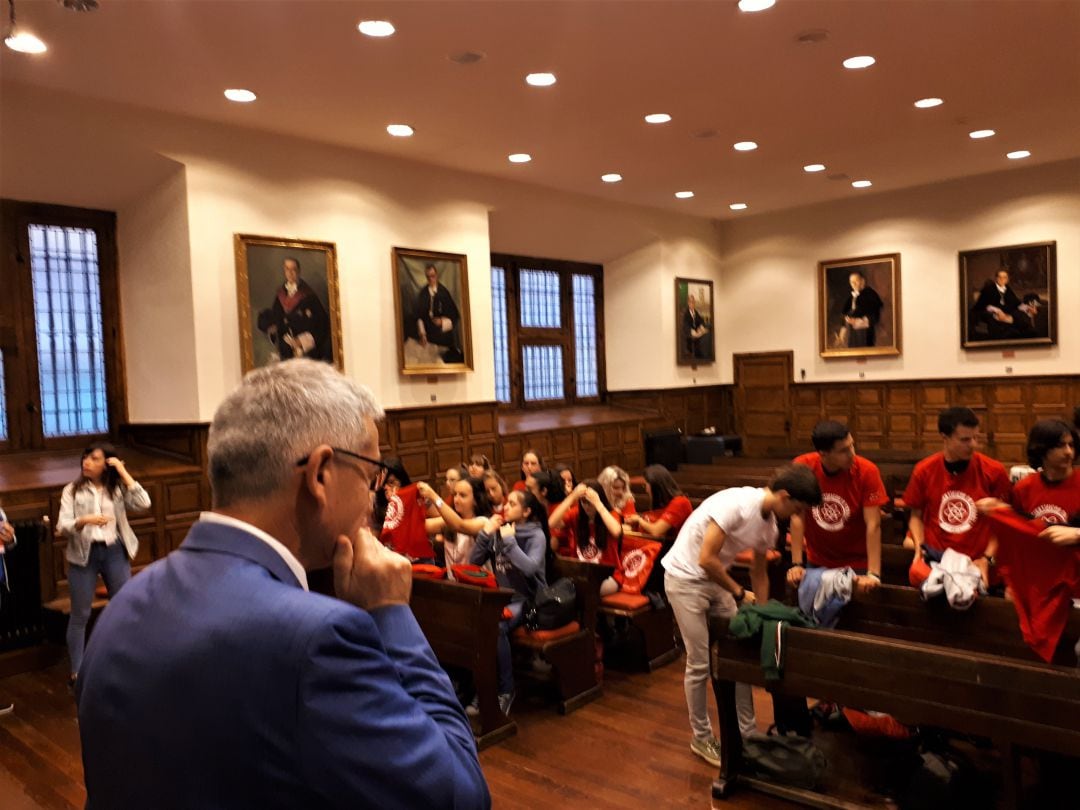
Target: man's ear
x,y
316,470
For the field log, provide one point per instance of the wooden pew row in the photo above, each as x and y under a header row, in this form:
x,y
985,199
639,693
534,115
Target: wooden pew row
x,y
961,685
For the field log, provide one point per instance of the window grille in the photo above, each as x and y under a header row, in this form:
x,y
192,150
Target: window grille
x,y
502,346
540,305
543,372
585,335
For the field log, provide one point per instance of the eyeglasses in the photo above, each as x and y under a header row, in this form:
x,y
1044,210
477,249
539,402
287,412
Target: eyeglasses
x,y
381,470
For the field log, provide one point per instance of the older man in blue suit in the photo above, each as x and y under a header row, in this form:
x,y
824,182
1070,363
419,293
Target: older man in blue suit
x,y
215,679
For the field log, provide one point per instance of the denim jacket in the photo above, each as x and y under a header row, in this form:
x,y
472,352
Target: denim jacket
x,y
75,504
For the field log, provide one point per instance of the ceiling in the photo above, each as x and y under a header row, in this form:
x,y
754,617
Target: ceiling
x,y
1009,65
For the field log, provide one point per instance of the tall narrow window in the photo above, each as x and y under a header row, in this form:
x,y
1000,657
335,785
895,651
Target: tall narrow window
x,y
3,402
549,315
502,347
67,314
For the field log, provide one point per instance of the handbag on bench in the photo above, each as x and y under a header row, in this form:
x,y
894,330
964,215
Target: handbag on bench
x,y
553,606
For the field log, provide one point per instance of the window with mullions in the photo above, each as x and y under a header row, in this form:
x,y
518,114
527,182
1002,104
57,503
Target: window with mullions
x,y
62,372
548,328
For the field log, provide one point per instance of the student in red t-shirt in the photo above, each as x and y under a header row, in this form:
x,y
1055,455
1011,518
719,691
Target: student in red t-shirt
x,y
567,475
531,464
1053,493
944,489
496,491
400,515
593,534
670,508
616,485
845,529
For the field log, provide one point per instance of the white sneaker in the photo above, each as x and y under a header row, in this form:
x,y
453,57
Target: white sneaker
x,y
506,700
473,709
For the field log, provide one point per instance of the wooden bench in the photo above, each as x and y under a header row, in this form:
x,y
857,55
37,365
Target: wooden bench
x,y
979,678
572,652
652,632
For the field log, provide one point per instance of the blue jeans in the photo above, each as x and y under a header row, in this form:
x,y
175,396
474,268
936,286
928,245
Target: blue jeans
x,y
112,563
506,663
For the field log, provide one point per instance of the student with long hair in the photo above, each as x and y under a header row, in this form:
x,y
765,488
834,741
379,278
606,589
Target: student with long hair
x,y
670,508
478,465
462,521
495,487
515,546
616,484
567,475
531,464
593,534
548,488
93,517
400,515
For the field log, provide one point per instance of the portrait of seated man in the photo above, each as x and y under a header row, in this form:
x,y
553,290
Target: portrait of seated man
x,y
296,322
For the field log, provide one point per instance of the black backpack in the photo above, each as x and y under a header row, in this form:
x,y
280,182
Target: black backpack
x,y
553,606
785,760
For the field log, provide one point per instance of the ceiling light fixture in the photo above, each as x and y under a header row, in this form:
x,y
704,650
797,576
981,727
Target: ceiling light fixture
x,y
21,41
859,62
540,79
861,184
979,134
814,167
376,28
927,103
1019,154
745,146
611,178
240,95
519,157
684,195
657,118
737,206
400,130
751,6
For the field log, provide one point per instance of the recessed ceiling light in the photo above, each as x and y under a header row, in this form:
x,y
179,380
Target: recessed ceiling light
x,y
611,178
858,62
814,167
861,184
240,95
982,133
24,42
755,5
737,206
927,103
519,157
376,28
540,79
400,130
684,195
745,146
657,118
1019,154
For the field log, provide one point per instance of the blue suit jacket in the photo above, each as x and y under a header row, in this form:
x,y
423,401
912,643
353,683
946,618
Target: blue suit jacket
x,y
213,680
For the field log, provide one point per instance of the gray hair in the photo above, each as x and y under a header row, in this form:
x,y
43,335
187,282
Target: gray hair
x,y
278,415
607,478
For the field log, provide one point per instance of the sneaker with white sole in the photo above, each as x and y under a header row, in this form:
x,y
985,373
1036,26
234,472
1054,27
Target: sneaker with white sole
x,y
506,700
473,709
708,748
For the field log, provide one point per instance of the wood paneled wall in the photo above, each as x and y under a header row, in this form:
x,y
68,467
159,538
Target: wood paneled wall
x,y
902,414
689,409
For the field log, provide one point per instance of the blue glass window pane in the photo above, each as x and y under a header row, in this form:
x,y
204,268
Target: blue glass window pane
x,y
499,329
539,297
543,372
584,289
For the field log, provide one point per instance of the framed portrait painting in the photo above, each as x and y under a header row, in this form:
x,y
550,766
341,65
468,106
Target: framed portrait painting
x,y
859,306
695,339
431,302
1008,296
287,294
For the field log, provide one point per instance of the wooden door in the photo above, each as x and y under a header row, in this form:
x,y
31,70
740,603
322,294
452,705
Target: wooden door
x,y
763,400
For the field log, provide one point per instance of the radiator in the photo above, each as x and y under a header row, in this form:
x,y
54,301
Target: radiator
x,y
22,620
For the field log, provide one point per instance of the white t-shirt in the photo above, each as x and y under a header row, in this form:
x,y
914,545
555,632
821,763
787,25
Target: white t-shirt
x,y
737,511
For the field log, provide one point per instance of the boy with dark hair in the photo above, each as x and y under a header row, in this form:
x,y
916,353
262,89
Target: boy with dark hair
x,y
845,530
943,491
698,584
1054,493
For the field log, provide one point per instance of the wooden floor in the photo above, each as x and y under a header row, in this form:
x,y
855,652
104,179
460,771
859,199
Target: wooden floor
x,y
629,749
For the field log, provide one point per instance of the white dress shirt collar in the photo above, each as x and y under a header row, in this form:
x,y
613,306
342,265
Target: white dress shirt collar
x,y
276,545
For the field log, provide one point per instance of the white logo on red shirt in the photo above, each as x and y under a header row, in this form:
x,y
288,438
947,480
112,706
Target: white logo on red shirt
x,y
395,511
833,512
1051,513
957,513
633,562
589,553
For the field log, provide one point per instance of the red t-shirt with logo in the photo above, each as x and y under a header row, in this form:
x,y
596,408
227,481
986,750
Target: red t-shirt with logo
x,y
403,528
519,486
588,551
948,501
628,508
1054,502
836,530
675,513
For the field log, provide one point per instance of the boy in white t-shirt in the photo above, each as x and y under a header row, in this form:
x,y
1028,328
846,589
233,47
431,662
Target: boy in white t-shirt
x,y
698,584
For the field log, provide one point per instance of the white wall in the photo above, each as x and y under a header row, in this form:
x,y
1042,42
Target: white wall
x,y
239,181
770,271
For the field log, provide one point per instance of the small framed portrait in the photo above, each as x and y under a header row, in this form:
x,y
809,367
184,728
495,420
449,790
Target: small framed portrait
x,y
287,294
1008,296
859,306
695,339
431,300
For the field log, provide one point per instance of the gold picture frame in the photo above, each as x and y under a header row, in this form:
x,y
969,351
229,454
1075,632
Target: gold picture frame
x,y
431,306
695,335
277,320
1021,312
859,307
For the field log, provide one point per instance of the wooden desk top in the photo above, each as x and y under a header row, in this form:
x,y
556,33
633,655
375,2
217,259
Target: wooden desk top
x,y
555,418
